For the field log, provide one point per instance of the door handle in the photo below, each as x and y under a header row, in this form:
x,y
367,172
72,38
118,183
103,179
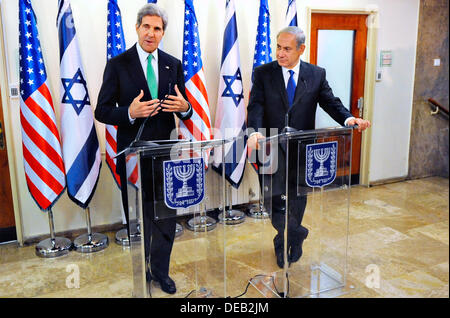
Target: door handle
x,y
360,105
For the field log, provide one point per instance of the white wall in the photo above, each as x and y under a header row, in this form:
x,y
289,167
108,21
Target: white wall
x,y
393,95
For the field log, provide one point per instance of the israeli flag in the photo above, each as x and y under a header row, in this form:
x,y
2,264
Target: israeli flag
x,y
81,151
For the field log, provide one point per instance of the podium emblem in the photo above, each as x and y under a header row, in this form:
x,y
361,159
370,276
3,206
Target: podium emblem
x,y
321,164
184,182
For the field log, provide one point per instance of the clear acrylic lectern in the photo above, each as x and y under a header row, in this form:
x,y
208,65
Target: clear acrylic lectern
x,y
305,180
169,181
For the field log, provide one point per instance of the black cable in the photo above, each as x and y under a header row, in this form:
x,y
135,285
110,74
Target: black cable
x,y
189,293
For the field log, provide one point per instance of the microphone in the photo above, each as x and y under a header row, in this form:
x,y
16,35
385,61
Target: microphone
x,y
287,128
141,128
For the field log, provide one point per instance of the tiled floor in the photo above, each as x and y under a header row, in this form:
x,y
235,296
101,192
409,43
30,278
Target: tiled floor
x,y
398,246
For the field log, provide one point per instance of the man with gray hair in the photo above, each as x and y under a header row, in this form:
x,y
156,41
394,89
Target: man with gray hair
x,y
134,83
285,93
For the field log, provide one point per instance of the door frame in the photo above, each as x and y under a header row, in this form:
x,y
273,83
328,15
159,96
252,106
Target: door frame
x,y
4,85
369,80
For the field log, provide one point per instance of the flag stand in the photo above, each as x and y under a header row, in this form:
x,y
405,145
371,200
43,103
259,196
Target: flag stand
x,y
179,230
53,246
202,222
231,216
122,235
258,211
90,242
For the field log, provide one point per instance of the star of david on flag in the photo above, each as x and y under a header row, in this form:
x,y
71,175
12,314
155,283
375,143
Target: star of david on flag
x,y
42,156
291,14
81,150
230,114
198,127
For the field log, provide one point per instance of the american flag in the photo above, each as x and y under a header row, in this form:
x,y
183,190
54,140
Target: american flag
x,y
115,45
198,127
230,114
44,167
263,51
81,150
291,14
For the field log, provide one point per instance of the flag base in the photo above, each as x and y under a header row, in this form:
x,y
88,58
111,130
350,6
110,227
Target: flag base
x,y
179,230
90,243
232,217
122,236
201,224
56,247
257,211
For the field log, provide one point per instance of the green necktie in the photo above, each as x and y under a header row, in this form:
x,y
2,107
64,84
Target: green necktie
x,y
151,79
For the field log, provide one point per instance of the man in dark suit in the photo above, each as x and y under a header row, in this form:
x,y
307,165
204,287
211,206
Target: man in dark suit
x,y
134,83
289,85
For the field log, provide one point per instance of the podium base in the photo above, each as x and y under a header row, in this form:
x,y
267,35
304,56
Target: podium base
x,y
48,249
201,224
122,236
266,285
85,244
232,217
257,212
179,230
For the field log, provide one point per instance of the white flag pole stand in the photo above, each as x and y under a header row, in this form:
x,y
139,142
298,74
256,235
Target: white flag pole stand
x,y
53,246
90,242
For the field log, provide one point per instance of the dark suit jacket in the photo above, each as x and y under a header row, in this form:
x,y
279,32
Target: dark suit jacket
x,y
123,79
269,102
268,106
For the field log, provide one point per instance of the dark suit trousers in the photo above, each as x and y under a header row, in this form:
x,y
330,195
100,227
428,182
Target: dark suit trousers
x,y
159,235
297,195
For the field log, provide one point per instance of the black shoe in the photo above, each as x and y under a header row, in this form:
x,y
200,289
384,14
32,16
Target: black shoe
x,y
167,284
280,259
296,249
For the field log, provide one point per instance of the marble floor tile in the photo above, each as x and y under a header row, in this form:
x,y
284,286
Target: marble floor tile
x,y
393,243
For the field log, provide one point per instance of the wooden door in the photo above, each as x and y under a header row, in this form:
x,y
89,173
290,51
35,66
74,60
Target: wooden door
x,y
357,23
7,221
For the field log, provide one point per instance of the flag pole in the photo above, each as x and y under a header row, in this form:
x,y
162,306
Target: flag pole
x,y
258,211
53,246
135,235
230,216
90,242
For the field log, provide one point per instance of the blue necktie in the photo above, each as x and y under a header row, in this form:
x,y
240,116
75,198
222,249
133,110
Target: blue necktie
x,y
291,88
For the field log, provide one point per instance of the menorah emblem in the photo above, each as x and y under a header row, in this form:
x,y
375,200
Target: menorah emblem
x,y
184,173
321,163
321,155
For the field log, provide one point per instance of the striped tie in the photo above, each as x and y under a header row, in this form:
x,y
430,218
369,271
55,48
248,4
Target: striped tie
x,y
151,79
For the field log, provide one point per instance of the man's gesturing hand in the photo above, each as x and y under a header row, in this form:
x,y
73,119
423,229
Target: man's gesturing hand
x,y
140,109
175,103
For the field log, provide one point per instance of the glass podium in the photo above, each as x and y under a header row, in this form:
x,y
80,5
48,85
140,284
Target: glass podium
x,y
169,181
304,250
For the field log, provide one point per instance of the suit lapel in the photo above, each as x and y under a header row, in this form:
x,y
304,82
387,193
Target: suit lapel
x,y
164,69
137,73
278,81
